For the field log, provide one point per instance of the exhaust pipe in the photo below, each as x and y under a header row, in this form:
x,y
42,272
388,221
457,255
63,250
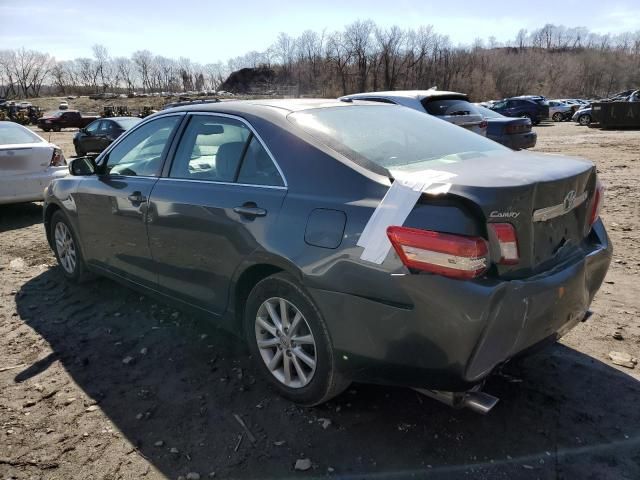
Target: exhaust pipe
x,y
479,402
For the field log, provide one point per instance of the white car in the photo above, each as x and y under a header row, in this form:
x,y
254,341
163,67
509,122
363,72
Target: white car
x,y
28,163
452,107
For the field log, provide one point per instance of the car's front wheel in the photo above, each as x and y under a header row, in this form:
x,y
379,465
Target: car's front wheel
x,y
557,117
65,247
290,342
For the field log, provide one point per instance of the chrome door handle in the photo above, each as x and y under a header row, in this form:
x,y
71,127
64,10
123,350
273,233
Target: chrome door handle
x,y
251,212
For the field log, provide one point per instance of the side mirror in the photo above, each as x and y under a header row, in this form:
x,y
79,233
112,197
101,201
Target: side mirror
x,y
83,166
82,130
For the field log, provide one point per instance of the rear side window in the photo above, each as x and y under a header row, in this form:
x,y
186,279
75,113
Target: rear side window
x,y
257,167
210,149
222,149
12,133
452,106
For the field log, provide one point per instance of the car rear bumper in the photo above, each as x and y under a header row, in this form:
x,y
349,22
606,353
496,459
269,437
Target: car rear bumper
x,y
517,141
455,332
28,187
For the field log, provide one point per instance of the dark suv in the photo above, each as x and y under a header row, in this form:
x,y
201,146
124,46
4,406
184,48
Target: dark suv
x,y
535,108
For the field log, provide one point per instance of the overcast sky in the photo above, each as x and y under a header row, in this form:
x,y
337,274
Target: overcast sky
x,y
208,31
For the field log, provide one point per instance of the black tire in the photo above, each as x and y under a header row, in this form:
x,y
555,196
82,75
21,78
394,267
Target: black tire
x,y
557,117
326,381
56,129
584,119
79,273
46,129
79,151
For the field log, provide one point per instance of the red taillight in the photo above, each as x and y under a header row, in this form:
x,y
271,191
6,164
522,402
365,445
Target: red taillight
x,y
483,124
508,241
453,256
596,203
57,159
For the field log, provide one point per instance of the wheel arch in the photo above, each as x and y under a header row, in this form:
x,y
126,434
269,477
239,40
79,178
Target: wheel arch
x,y
48,213
247,276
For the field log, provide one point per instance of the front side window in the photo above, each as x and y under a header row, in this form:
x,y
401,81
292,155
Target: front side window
x,y
140,153
93,127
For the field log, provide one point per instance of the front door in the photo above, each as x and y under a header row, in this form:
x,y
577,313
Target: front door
x,y
89,138
113,205
218,204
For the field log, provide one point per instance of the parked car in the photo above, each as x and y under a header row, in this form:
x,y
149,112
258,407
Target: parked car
x,y
102,96
99,134
534,110
346,241
63,106
65,119
27,164
559,111
515,133
583,116
450,106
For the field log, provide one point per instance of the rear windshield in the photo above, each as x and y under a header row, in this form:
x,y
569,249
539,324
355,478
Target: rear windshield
x,y
448,106
11,133
392,137
127,123
487,113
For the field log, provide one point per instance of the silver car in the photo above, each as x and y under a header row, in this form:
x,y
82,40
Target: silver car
x,y
450,106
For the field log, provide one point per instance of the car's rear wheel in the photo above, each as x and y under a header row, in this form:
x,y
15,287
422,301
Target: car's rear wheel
x,y
584,119
56,129
557,117
66,249
290,342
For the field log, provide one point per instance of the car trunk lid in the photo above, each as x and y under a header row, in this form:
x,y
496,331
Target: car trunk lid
x,y
545,197
19,159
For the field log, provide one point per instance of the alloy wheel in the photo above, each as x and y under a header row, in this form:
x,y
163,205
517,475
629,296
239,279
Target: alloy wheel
x,y
584,120
285,342
65,247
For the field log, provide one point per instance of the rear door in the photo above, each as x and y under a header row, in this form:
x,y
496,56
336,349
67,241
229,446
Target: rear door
x,y
217,204
112,206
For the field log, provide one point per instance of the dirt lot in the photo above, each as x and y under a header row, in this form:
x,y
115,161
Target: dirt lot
x,y
98,382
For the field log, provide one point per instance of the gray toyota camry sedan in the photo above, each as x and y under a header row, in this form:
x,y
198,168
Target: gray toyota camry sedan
x,y
344,240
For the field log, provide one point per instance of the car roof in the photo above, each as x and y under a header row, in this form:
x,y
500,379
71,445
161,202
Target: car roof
x,y
257,106
415,94
118,119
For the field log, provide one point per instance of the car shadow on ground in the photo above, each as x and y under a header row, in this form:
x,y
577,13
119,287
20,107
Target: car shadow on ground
x,y
562,414
21,215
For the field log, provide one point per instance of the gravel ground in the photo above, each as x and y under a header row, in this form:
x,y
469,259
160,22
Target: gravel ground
x,y
98,382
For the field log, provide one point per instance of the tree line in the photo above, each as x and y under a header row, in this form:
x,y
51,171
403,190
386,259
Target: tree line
x,y
553,60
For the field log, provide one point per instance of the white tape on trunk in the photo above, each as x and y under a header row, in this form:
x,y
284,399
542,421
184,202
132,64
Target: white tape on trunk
x,y
396,206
